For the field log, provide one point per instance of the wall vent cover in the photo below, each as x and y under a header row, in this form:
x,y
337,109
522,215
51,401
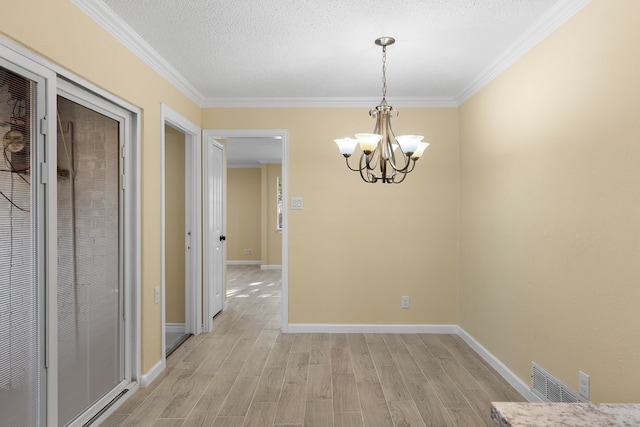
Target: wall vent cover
x,y
549,389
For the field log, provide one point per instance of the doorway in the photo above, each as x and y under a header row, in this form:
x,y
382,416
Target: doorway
x,y
227,137
177,246
181,290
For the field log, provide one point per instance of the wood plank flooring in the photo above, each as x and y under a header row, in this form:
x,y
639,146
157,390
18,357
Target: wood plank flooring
x,y
248,374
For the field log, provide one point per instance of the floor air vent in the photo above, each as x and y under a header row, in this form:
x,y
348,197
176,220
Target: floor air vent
x,y
549,389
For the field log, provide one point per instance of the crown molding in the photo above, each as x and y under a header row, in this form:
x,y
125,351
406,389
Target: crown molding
x,y
114,25
335,102
557,15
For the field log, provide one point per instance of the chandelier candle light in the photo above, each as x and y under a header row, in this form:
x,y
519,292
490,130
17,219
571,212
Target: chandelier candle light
x,y
378,161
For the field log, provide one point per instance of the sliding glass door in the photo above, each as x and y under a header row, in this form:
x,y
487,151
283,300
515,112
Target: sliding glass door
x,y
90,277
69,247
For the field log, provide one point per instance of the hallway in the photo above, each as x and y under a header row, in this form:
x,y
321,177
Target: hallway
x,y
247,373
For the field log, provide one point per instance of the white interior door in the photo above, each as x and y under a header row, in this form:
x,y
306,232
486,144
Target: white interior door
x,y
213,173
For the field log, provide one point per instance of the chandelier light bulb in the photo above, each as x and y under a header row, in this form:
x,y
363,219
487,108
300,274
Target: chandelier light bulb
x,y
368,141
346,145
418,153
409,143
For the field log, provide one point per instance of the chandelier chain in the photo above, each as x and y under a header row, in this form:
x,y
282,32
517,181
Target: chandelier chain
x,y
384,72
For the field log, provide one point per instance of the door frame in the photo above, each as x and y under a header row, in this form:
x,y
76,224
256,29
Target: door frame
x,y
193,221
220,135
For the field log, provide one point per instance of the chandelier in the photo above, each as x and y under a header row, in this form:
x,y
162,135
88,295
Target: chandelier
x,y
380,160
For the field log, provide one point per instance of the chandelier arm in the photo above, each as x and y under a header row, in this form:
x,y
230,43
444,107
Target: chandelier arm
x,y
371,159
405,167
413,165
406,160
349,166
370,177
402,174
364,163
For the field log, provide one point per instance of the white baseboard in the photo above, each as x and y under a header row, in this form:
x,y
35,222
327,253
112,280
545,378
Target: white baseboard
x,y
270,267
243,262
380,329
174,327
502,369
146,379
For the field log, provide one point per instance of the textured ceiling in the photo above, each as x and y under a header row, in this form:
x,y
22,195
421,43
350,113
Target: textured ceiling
x,y
311,49
252,152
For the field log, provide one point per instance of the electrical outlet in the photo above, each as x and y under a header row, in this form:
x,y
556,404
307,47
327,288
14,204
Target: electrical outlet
x,y
156,295
583,385
245,251
404,302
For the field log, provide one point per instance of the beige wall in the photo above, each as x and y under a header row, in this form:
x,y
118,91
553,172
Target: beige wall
x,y
550,210
174,226
243,214
356,248
62,33
271,237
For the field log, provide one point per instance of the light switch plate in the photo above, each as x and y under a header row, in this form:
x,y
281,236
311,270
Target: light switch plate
x,y
297,203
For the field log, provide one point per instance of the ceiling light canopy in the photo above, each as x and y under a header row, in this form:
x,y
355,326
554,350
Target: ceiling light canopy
x,y
380,159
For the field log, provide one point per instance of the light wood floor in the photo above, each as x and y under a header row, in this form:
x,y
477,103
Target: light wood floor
x,y
247,373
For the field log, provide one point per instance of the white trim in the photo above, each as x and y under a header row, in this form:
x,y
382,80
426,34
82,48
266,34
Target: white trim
x,y
370,329
270,267
136,330
146,379
335,102
557,15
502,369
243,262
121,31
175,328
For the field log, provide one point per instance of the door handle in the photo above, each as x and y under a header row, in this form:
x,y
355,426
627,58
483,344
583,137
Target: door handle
x,y
223,237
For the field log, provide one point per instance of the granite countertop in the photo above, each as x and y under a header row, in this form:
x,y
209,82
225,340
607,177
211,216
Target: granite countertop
x,y
521,414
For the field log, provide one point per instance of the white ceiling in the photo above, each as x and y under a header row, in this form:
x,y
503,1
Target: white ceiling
x,y
252,152
321,53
